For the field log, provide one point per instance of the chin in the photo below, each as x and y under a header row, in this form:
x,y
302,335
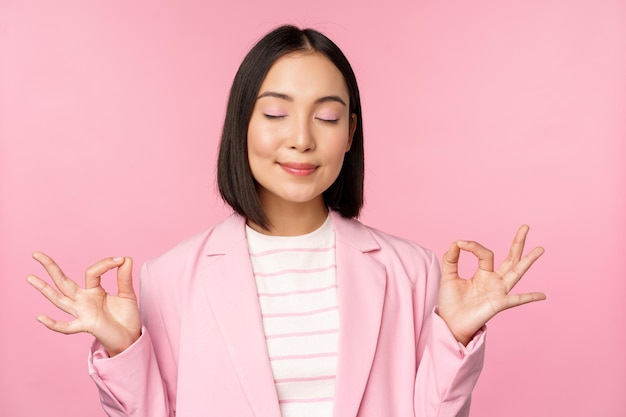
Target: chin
x,y
302,199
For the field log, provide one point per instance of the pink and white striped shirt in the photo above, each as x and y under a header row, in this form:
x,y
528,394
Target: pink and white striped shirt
x,y
296,281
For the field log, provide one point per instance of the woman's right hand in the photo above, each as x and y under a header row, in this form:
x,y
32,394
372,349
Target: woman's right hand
x,y
113,320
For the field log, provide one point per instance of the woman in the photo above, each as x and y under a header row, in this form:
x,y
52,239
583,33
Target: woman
x,y
290,306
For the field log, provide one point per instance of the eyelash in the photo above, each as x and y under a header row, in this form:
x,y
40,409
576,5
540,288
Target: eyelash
x,y
275,117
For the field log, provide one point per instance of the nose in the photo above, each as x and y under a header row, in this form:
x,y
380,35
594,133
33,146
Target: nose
x,y
302,138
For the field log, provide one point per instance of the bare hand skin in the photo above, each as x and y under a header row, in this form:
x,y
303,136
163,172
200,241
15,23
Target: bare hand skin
x,y
467,304
113,320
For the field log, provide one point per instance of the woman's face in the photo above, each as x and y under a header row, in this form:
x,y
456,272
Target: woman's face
x,y
300,130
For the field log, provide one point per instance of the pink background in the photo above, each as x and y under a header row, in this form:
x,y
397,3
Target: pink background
x,y
479,116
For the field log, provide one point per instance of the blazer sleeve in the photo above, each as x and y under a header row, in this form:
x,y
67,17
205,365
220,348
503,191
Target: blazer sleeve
x,y
140,381
447,371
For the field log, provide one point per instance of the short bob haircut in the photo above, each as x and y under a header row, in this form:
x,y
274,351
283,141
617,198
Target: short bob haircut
x,y
234,177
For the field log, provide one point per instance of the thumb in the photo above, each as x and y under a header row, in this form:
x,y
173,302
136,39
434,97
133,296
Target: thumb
x,y
125,279
450,262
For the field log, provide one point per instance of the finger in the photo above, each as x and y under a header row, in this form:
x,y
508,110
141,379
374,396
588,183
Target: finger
x,y
59,300
64,327
450,262
484,255
125,279
512,277
95,271
515,300
516,250
63,283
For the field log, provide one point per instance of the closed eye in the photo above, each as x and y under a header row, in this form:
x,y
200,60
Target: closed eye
x,y
274,116
327,120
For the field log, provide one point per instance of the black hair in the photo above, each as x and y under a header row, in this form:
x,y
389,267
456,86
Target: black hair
x,y
234,177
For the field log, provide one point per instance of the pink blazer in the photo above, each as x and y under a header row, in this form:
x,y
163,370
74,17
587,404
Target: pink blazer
x,y
203,351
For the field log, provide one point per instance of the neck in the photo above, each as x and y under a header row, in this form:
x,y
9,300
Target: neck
x,y
293,219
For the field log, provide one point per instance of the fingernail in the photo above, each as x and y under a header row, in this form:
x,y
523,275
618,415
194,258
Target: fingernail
x,y
462,242
118,259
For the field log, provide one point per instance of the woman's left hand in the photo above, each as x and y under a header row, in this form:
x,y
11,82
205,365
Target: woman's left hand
x,y
467,304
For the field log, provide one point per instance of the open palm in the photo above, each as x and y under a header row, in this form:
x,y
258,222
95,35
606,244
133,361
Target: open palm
x,y
467,304
113,320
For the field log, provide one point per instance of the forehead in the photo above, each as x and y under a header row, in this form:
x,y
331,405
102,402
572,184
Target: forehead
x,y
305,74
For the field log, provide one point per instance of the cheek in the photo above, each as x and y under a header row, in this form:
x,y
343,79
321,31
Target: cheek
x,y
336,153
261,142
340,145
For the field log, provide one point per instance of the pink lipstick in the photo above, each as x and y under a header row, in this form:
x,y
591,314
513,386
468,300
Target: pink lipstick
x,y
298,168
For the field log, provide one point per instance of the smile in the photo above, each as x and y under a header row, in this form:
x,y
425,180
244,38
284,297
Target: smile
x,y
298,168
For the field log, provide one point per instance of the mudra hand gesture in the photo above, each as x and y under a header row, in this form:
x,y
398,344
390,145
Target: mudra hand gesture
x,y
113,320
467,304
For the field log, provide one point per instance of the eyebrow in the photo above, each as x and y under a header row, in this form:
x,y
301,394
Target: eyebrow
x,y
286,97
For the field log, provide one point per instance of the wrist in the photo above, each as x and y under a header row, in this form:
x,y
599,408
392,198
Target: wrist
x,y
114,348
462,337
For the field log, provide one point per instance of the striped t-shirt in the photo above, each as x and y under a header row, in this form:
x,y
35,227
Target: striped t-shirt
x,y
296,282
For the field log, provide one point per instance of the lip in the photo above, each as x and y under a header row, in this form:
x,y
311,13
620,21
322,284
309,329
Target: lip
x,y
298,168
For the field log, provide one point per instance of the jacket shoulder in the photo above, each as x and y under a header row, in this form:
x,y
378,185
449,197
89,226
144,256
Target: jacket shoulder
x,y
400,245
388,242
192,253
401,255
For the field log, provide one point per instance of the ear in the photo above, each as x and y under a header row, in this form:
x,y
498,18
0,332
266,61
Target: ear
x,y
352,129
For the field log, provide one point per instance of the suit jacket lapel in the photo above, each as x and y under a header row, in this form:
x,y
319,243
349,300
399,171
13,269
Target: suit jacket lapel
x,y
362,281
233,298
228,284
